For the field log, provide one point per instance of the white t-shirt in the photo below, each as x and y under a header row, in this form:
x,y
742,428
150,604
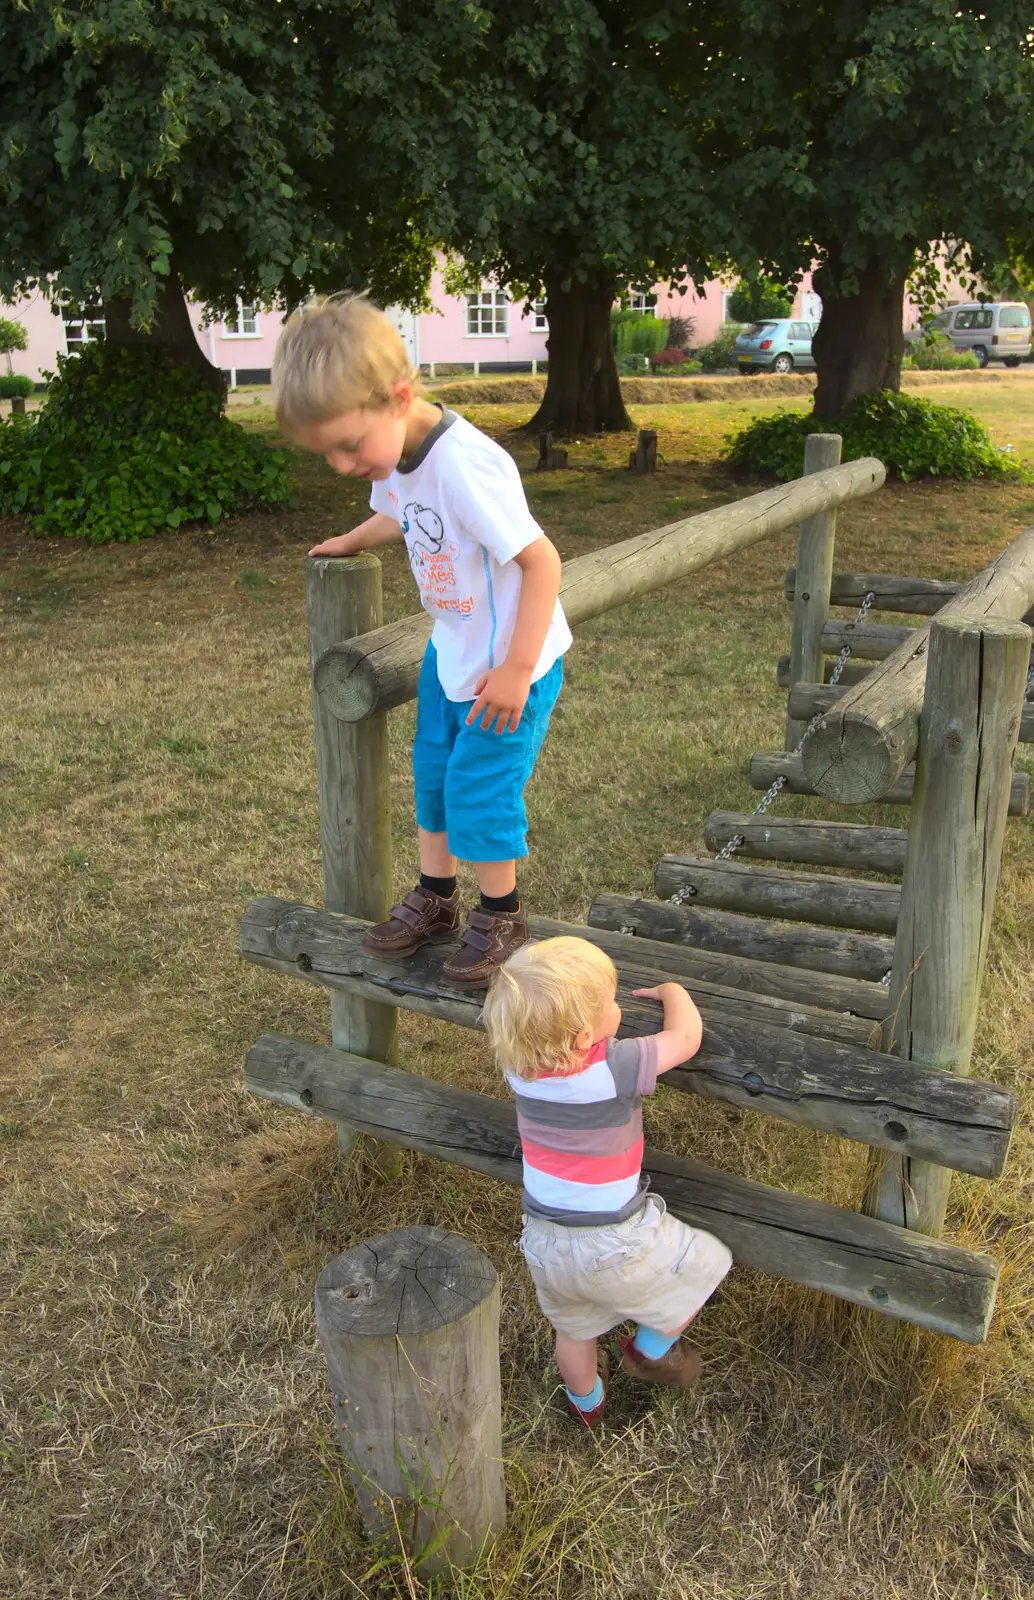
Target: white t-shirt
x,y
460,501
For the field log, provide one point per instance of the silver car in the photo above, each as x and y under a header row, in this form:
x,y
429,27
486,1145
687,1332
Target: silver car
x,y
996,331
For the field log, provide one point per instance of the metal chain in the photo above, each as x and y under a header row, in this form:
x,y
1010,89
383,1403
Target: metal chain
x,y
776,788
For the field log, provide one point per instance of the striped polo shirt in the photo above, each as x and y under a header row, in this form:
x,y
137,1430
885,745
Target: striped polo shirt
x,y
582,1134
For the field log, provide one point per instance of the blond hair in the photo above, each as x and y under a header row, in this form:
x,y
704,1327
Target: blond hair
x,y
541,1000
338,353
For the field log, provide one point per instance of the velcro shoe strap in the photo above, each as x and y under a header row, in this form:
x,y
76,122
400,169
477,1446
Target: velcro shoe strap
x,y
477,941
407,914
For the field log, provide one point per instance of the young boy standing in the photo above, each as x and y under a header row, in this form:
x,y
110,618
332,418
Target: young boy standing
x,y
601,1250
345,389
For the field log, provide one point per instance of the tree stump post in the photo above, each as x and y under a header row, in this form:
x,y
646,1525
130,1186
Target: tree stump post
x,y
18,405
409,1326
354,780
643,459
550,458
815,542
967,740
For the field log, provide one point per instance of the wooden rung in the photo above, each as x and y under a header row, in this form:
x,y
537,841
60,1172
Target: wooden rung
x,y
923,597
842,1088
853,845
830,900
871,1264
791,944
806,700
767,765
920,596
739,975
853,672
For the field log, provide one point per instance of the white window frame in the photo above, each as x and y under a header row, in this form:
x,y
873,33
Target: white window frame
x,y
539,320
86,324
238,331
491,300
639,301
727,295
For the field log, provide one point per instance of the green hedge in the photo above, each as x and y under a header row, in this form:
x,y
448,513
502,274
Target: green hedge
x,y
935,353
129,444
15,383
913,438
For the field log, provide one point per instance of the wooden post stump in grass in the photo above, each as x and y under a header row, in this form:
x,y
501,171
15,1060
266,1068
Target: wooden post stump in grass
x,y
343,600
967,740
643,459
815,543
409,1325
18,405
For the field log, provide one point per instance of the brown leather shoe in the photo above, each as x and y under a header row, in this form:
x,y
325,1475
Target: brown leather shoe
x,y
680,1365
488,938
422,918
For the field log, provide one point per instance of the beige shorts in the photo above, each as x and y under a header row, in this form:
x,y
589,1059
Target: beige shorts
x,y
652,1269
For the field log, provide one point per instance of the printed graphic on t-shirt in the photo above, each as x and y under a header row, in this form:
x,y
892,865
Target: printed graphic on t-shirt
x,y
433,558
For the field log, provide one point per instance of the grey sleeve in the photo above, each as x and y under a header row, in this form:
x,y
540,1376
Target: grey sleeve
x,y
633,1065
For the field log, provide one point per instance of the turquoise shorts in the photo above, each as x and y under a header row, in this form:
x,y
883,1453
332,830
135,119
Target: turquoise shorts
x,y
469,783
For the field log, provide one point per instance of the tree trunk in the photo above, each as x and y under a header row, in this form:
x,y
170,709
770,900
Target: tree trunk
x,y
171,329
583,393
859,343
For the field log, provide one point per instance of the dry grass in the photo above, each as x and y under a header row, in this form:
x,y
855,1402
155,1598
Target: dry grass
x,y
166,1426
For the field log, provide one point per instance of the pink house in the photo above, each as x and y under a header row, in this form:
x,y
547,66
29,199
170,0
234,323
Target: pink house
x,y
486,330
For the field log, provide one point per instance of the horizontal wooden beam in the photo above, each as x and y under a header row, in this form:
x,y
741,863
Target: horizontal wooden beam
x,y
869,641
868,1263
863,745
792,944
747,1058
739,975
852,671
922,597
807,700
767,765
853,845
830,900
379,670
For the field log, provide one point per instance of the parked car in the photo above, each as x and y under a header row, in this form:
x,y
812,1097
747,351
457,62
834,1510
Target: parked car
x,y
775,345
996,331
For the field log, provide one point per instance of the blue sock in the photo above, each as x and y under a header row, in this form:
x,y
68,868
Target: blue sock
x,y
653,1345
588,1402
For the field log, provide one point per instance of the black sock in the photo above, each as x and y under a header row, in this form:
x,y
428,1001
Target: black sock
x,y
444,887
501,902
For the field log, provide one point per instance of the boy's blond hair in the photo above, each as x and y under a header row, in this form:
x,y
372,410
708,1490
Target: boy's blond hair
x,y
541,999
338,353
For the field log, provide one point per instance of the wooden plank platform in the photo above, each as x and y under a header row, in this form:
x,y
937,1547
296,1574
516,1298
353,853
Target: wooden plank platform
x,y
814,1081
868,1263
853,845
831,900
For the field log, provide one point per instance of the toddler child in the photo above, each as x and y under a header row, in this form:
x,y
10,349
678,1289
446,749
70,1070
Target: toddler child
x,y
601,1249
344,387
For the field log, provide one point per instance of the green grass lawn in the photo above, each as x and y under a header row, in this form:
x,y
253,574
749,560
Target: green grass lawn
x,y
167,1428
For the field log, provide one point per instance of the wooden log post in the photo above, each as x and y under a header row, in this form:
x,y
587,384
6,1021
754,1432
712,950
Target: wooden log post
x,y
643,459
854,671
862,746
826,898
18,405
815,542
409,1326
362,676
343,599
821,844
551,458
809,699
974,690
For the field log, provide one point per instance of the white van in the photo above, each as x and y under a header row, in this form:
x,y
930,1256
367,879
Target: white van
x,y
999,330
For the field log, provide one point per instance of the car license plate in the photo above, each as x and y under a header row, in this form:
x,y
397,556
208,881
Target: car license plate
x,y
744,358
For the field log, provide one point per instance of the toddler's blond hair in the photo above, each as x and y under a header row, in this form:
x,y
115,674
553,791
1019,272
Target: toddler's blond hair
x,y
338,353
541,999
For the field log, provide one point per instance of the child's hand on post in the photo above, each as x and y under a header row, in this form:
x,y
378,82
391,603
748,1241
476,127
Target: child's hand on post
x,y
501,696
683,1027
342,544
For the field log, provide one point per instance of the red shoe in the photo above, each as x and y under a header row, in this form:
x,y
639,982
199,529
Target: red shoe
x,y
593,1419
681,1365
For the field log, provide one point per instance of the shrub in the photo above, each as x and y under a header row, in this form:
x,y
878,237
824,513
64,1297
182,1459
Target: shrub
x,y
12,383
638,334
934,352
718,354
128,445
669,357
630,365
680,332
913,438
